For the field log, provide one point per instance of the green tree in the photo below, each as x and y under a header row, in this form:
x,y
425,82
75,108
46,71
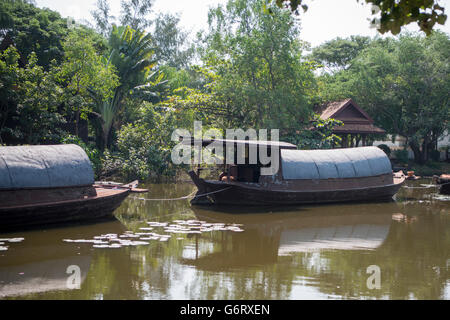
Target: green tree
x,y
193,104
405,87
170,41
179,78
102,17
34,30
337,54
256,58
134,13
6,21
132,55
316,134
9,93
144,147
85,75
29,98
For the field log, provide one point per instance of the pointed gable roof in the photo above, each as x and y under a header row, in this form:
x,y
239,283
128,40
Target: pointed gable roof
x,y
335,109
355,119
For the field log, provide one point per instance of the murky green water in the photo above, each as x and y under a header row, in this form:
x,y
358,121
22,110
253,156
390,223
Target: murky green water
x,y
313,252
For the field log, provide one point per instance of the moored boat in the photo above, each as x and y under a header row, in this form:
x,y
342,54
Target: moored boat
x,y
443,181
304,177
43,185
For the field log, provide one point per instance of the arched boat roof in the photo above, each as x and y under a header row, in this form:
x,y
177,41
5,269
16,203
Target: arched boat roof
x,y
51,166
334,163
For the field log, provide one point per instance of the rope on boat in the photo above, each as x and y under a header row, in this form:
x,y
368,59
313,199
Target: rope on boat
x,y
185,197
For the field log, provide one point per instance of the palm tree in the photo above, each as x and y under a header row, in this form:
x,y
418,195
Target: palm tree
x,y
132,56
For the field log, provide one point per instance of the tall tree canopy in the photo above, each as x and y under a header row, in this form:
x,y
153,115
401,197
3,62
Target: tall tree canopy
x,y
133,13
171,43
102,17
256,57
337,54
132,55
34,30
404,84
84,71
29,97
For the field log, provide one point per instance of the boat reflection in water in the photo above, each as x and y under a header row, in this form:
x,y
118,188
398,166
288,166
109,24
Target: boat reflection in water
x,y
40,266
268,236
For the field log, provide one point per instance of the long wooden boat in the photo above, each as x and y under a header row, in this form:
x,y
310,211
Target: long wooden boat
x,y
305,177
43,185
28,208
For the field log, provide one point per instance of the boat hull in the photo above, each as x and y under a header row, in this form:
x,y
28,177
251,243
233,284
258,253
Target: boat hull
x,y
89,208
242,194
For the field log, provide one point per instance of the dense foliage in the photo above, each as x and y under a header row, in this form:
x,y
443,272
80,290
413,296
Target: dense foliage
x,y
120,90
257,59
403,83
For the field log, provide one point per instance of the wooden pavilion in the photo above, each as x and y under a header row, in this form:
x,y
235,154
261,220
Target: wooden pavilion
x,y
358,125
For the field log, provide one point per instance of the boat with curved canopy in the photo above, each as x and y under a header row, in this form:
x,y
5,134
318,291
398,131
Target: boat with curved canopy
x,y
52,184
304,177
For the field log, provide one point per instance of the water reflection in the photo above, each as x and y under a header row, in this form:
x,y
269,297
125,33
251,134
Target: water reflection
x,y
40,264
299,252
270,235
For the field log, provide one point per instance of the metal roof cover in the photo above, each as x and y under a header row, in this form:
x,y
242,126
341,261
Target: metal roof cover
x,y
334,163
51,166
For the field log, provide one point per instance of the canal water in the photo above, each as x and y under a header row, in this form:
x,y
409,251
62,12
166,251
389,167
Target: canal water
x,y
394,250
